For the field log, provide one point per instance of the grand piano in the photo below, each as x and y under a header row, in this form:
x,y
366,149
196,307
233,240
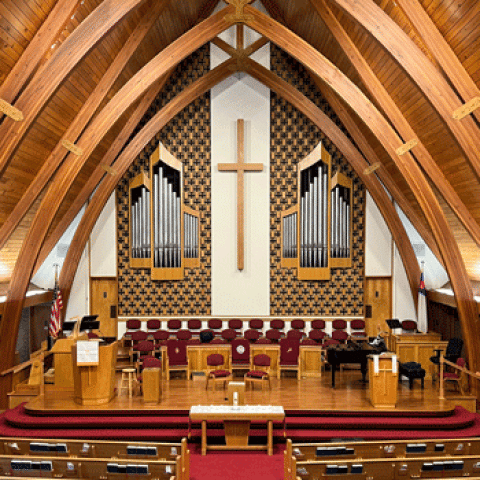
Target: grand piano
x,y
351,353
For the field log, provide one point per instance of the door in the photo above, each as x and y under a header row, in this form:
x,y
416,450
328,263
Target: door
x,y
378,303
104,303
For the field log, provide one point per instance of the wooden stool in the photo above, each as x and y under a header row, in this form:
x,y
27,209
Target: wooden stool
x,y
128,379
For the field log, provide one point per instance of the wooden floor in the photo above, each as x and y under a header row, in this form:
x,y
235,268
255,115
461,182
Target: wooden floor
x,y
350,393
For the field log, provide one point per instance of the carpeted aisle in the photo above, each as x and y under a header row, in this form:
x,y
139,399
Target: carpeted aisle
x,y
236,465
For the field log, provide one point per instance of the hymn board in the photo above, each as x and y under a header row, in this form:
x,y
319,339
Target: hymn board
x,y
164,232
317,232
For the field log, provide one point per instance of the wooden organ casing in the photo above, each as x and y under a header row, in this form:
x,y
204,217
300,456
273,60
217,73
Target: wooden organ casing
x,y
171,229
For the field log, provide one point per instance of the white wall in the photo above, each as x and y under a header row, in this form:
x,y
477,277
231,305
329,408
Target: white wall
x,y
103,242
79,302
403,306
237,292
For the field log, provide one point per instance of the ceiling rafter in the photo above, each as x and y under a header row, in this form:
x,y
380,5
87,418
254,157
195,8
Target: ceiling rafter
x,y
412,173
82,118
421,70
49,76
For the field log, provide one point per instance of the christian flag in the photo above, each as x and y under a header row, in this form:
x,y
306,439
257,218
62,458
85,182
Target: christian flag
x,y
57,305
422,322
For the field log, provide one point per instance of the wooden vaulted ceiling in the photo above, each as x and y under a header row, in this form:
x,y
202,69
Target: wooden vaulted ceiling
x,y
458,22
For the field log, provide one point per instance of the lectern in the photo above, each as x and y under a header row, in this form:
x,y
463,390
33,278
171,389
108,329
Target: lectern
x,y
383,380
94,371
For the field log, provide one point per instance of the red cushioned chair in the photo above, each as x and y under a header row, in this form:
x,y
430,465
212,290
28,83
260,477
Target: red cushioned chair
x,y
133,325
263,341
456,378
277,324
194,341
273,335
215,324
160,338
256,324
218,341
149,362
318,324
153,324
339,331
174,324
289,353
240,354
92,335
194,324
229,334
295,334
251,335
136,337
143,349
184,335
357,328
235,324
308,341
298,324
177,359
409,326
259,371
215,373
317,335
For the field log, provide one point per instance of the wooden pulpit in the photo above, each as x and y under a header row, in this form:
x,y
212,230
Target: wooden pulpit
x,y
383,380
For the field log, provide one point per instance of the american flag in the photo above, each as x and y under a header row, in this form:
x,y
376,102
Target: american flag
x,y
57,305
422,320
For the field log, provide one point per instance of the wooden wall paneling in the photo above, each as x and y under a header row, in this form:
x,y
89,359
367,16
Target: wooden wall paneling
x,y
440,48
103,166
426,76
378,296
66,174
104,302
67,56
313,60
394,114
85,114
382,173
355,159
123,162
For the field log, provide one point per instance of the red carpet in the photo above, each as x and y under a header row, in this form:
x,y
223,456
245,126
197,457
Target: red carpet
x,y
236,465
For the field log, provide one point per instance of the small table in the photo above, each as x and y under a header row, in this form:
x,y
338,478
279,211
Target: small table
x,y
237,421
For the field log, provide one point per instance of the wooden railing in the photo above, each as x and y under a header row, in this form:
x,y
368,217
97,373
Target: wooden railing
x,y
443,362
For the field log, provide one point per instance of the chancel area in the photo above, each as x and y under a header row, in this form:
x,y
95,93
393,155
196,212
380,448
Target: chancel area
x,y
239,226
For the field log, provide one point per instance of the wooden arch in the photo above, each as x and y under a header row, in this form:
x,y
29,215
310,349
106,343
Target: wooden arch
x,y
412,173
292,95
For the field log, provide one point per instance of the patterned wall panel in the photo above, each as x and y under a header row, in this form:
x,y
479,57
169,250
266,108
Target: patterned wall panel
x,y
293,137
187,137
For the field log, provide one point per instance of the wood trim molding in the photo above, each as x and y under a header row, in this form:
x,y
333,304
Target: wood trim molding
x,y
49,76
396,118
66,174
434,86
36,49
406,164
75,129
441,50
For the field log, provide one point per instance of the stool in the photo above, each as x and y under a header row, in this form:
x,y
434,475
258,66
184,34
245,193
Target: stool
x,y
128,379
411,370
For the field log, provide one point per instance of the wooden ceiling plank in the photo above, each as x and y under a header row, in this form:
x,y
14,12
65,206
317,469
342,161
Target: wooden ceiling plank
x,y
68,171
396,117
84,116
36,49
313,60
109,182
92,182
441,50
49,76
365,147
421,70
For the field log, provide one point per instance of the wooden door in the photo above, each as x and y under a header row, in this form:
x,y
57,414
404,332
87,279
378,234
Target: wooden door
x,y
378,303
104,302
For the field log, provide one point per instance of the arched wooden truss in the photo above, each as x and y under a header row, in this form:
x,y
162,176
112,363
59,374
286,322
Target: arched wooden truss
x,y
315,62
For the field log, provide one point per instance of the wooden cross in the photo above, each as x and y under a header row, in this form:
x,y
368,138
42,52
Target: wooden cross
x,y
240,167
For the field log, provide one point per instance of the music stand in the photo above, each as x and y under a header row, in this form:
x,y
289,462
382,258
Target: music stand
x,y
68,327
89,323
393,323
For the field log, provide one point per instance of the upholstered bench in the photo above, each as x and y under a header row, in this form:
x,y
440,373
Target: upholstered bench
x,y
412,370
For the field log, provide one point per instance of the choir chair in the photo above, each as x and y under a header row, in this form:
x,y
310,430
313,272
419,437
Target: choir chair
x,y
317,332
136,337
194,325
235,324
456,378
160,338
216,374
144,349
229,334
256,324
357,329
409,326
298,324
215,324
452,353
184,335
289,356
251,335
153,324
339,330
177,358
259,371
308,341
240,354
263,341
174,324
133,325
295,334
273,335
219,341
277,324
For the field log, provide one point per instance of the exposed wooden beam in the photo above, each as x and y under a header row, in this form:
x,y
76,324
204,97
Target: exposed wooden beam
x,y
354,157
442,97
97,175
382,173
68,171
81,120
441,50
123,162
50,75
406,164
396,118
36,49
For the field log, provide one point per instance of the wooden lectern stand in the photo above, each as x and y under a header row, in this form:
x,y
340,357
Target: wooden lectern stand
x,y
94,382
383,380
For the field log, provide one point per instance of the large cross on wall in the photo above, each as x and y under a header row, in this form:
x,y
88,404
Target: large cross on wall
x,y
240,168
